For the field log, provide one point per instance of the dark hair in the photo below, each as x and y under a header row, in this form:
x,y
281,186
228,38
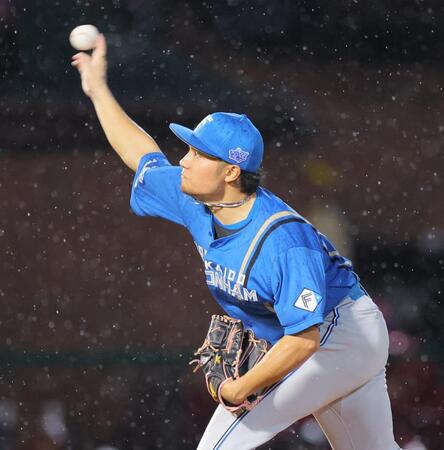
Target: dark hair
x,y
249,182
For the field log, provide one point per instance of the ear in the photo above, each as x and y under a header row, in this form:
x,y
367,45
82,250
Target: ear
x,y
232,173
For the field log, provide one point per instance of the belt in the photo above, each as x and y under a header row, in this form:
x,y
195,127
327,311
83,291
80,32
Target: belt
x,y
357,291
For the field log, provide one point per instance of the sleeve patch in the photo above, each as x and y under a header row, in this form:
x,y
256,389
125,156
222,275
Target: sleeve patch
x,y
308,300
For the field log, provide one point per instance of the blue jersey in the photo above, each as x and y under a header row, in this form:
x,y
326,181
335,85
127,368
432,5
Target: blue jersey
x,y
277,274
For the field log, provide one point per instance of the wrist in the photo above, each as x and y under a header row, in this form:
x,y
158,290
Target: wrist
x,y
239,390
98,91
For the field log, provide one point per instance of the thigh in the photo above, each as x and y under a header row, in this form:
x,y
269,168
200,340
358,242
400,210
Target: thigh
x,y
353,353
362,420
298,395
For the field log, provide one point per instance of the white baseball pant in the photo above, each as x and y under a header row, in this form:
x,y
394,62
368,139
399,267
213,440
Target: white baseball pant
x,y
342,385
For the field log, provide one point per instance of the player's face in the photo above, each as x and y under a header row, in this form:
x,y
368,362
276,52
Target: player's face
x,y
202,175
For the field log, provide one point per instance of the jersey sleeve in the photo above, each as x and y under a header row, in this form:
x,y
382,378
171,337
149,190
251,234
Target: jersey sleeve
x,y
156,189
298,283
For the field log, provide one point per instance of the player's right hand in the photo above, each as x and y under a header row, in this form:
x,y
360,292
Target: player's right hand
x,y
92,68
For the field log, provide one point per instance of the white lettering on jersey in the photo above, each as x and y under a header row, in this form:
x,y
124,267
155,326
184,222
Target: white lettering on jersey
x,y
225,279
222,283
202,251
147,166
241,279
231,275
237,292
250,296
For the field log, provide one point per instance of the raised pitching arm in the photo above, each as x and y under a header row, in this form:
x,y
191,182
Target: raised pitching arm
x,y
128,140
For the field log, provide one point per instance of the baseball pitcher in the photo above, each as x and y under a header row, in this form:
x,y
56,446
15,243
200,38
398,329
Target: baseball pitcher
x,y
301,335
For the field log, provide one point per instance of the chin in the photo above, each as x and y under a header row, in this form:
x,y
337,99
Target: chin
x,y
184,188
198,195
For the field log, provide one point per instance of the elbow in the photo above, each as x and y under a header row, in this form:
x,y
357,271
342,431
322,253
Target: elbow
x,y
308,341
303,351
313,346
308,348
313,340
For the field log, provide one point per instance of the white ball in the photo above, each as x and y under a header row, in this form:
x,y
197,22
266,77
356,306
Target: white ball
x,y
84,37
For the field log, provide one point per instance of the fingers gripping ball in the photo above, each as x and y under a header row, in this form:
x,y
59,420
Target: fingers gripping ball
x,y
84,37
228,352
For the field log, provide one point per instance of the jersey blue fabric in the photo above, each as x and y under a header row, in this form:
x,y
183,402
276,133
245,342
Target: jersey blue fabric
x,y
294,277
232,226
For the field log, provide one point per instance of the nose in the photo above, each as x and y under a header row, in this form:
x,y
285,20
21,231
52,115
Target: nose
x,y
185,161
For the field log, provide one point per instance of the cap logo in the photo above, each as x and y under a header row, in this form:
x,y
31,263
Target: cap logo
x,y
238,155
207,119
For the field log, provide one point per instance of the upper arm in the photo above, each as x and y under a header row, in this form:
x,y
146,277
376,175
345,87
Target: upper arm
x,y
156,189
298,283
132,160
139,145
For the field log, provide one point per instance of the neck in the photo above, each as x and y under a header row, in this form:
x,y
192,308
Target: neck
x,y
232,215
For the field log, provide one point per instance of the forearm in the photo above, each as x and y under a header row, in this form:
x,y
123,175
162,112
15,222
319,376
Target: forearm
x,y
129,140
286,355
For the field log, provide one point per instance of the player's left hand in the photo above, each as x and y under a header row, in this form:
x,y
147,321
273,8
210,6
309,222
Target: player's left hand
x,y
231,393
229,351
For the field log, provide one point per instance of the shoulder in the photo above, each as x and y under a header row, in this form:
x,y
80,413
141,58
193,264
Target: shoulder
x,y
283,227
153,160
156,190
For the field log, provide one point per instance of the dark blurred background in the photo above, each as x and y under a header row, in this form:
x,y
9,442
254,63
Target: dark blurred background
x,y
101,309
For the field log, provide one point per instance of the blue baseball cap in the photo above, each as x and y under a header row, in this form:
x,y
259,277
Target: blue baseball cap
x,y
227,136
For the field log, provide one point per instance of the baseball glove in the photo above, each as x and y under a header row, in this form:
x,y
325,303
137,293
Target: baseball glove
x,y
228,352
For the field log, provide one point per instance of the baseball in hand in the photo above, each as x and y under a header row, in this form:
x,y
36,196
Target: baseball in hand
x,y
84,37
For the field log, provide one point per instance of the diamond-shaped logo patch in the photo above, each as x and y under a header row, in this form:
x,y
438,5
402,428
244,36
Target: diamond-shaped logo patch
x,y
308,300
